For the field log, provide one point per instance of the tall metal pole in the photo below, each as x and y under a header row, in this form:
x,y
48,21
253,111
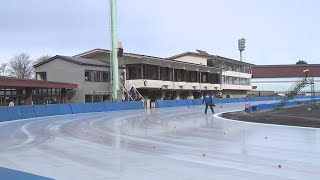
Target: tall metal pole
x,y
241,56
114,52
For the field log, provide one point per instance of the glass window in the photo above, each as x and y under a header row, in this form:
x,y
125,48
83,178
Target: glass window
x,y
151,72
105,76
88,75
97,98
134,71
165,74
98,76
49,92
210,62
88,99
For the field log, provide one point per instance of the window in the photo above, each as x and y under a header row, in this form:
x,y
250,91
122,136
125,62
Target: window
x,y
151,72
210,62
134,71
41,76
165,74
88,99
97,98
88,75
204,77
105,76
97,76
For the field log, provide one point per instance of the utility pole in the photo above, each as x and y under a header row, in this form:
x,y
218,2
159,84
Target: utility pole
x,y
114,52
241,46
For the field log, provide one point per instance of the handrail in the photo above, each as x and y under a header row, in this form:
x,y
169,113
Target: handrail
x,y
126,91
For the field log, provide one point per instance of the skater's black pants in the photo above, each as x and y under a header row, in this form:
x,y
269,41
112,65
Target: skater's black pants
x,y
211,107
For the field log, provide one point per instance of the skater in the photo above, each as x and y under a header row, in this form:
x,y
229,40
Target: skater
x,y
209,102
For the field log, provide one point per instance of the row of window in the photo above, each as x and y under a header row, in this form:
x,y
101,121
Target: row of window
x,y
96,98
229,66
37,92
96,76
142,71
236,81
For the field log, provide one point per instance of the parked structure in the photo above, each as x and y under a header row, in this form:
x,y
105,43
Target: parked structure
x,y
15,91
182,76
279,78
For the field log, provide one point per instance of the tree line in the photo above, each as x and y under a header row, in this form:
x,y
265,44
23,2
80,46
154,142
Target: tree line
x,y
21,66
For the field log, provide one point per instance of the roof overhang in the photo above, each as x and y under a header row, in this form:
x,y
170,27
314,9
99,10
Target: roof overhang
x,y
28,83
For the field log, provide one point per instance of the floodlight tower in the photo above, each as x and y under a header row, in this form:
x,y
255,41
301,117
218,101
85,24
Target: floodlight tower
x,y
241,46
114,51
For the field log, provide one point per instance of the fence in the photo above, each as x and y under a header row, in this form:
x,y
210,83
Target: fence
x,y
193,102
9,113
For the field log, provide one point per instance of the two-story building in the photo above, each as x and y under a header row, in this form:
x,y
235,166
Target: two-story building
x,y
183,76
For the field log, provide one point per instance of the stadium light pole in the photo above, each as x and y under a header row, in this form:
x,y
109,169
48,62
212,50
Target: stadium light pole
x,y
241,46
114,51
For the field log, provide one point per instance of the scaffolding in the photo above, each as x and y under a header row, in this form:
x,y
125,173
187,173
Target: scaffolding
x,y
295,89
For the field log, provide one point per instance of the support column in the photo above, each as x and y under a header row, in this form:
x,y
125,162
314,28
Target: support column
x,y
29,96
162,94
177,94
64,96
190,96
114,52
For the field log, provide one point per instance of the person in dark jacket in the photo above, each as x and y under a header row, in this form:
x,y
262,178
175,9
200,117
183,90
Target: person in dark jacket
x,y
209,102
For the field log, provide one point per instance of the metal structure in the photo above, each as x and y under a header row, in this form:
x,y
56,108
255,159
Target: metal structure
x,y
114,52
296,88
313,96
241,46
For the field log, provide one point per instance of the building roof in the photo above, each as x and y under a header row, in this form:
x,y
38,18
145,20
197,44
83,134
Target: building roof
x,y
76,60
134,55
18,82
281,71
209,56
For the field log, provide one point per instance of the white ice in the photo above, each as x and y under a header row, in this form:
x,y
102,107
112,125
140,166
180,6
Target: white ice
x,y
169,143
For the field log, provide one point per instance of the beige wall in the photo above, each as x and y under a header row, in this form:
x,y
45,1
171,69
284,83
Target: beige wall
x,y
193,59
237,74
63,71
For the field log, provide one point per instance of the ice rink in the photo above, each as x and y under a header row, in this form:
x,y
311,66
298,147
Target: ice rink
x,y
168,143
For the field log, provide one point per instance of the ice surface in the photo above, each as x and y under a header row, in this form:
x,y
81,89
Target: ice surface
x,y
169,143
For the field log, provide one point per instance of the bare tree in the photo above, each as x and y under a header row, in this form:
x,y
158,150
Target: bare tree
x,y
41,59
301,62
20,66
3,69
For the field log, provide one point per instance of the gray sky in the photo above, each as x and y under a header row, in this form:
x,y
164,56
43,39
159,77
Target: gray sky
x,y
276,32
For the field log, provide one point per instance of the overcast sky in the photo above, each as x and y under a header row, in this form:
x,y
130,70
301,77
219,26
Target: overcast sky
x,y
277,32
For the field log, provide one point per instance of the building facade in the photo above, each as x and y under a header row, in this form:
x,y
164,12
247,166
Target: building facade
x,y
184,76
92,77
277,79
27,92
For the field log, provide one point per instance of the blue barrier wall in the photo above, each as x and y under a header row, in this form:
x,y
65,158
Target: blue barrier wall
x,y
25,112
263,107
65,109
5,116
189,102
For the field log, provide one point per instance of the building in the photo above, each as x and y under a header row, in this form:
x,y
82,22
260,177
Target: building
x,y
91,75
270,79
183,76
28,92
